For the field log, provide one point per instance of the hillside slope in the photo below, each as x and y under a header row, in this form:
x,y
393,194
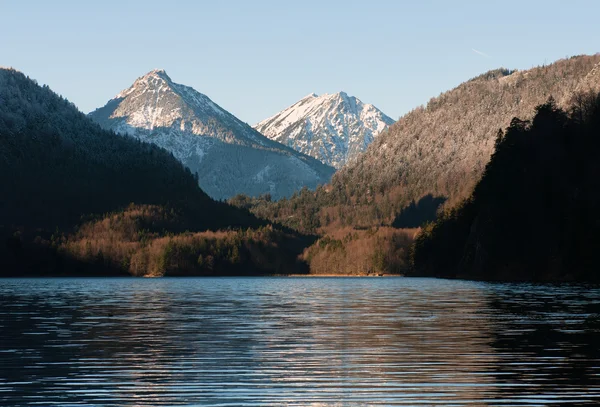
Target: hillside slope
x,y
442,148
534,213
56,165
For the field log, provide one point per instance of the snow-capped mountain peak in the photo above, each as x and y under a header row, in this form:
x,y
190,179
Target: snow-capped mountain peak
x,y
229,156
333,128
153,78
154,100
159,72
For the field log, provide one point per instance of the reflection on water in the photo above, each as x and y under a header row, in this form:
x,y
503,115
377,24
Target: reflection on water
x,y
269,341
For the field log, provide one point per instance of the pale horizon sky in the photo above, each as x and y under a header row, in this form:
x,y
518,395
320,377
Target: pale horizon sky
x,y
255,58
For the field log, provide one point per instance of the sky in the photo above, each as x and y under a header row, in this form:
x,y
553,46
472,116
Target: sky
x,y
255,58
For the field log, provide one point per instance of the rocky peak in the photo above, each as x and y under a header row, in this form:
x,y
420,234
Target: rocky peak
x,y
332,128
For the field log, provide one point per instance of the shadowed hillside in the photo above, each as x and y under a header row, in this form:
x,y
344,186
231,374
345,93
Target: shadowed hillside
x,y
534,214
56,165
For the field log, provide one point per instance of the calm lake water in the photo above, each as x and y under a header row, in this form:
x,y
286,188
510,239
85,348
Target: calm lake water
x,y
296,342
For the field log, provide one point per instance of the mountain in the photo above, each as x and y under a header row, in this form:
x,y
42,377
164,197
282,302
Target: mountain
x,y
334,129
78,199
437,152
442,148
57,165
228,155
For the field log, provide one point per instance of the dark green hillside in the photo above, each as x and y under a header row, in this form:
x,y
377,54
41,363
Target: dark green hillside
x,y
56,165
535,214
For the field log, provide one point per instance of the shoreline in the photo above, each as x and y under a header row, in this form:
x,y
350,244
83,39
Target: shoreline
x,y
204,276
339,275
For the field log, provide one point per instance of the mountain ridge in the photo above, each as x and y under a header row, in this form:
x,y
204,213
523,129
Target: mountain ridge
x,y
228,155
438,151
443,147
57,165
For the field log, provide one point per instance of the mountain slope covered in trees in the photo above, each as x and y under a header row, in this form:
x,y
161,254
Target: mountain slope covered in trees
x,y
333,128
429,160
436,153
56,165
60,172
442,148
534,215
228,155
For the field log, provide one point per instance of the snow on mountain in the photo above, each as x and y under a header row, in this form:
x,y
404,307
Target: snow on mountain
x,y
229,156
331,128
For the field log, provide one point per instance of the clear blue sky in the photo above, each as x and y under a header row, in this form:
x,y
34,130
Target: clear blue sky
x,y
256,57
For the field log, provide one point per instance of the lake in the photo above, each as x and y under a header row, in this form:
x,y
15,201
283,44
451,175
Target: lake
x,y
297,342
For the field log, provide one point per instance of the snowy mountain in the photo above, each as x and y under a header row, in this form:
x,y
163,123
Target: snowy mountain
x,y
229,156
331,128
57,165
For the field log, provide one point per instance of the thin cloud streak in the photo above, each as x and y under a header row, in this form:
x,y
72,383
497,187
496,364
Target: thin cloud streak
x,y
483,54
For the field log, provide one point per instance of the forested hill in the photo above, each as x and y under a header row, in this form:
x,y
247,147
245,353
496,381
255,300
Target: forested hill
x,y
442,148
56,165
438,150
535,213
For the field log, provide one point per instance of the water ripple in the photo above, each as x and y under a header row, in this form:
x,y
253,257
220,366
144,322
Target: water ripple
x,y
297,342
